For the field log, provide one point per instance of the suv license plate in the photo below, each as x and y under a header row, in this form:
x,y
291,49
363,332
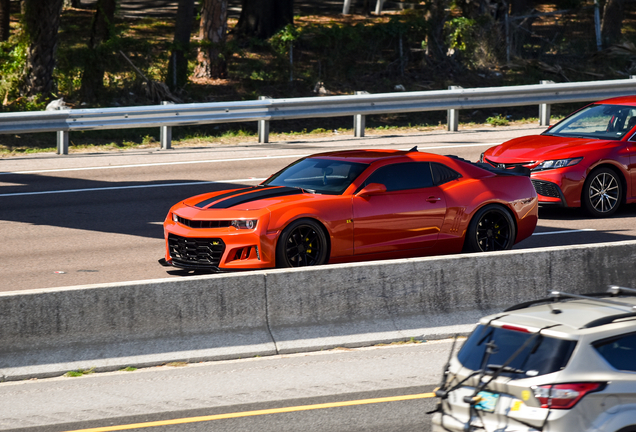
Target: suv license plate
x,y
488,401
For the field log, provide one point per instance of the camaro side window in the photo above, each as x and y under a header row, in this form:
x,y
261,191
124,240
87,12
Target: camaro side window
x,y
411,175
443,174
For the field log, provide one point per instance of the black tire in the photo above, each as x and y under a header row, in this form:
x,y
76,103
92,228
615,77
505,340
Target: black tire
x,y
491,229
302,243
602,192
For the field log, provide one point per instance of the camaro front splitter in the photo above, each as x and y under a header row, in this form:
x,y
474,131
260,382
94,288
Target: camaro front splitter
x,y
164,262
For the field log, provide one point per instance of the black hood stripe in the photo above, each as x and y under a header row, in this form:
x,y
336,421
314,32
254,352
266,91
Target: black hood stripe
x,y
209,201
257,193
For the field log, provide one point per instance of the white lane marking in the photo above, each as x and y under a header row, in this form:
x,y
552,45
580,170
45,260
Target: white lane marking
x,y
564,232
248,180
150,164
296,156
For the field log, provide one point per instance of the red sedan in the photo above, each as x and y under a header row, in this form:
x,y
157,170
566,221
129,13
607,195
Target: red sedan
x,y
587,159
353,206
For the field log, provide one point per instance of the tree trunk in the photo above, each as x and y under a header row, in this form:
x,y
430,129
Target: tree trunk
x,y
263,18
178,65
520,30
42,21
94,69
212,62
612,24
436,17
5,19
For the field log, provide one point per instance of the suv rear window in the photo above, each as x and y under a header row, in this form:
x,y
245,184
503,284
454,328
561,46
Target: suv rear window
x,y
541,356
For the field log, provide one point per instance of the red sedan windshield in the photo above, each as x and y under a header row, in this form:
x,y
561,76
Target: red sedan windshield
x,y
610,122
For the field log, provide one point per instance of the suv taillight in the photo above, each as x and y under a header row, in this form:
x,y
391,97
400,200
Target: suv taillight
x,y
564,396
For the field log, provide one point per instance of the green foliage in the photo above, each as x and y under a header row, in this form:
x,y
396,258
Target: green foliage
x,y
79,372
460,33
319,131
476,42
13,57
340,52
498,120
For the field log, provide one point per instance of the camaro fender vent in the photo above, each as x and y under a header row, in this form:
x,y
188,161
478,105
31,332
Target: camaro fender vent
x,y
196,251
204,223
546,188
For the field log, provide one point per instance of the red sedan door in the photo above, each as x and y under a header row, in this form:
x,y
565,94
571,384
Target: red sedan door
x,y
409,215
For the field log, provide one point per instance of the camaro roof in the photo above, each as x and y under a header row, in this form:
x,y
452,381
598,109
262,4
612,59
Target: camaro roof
x,y
370,156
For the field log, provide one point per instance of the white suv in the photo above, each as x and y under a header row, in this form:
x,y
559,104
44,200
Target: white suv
x,y
562,364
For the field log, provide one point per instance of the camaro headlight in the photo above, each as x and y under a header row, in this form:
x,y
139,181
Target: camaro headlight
x,y
244,224
175,217
559,163
481,158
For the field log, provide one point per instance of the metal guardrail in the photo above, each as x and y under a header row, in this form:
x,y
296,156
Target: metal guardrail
x,y
265,110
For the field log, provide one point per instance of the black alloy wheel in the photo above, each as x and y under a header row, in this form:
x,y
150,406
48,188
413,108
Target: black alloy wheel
x,y
491,229
302,243
602,192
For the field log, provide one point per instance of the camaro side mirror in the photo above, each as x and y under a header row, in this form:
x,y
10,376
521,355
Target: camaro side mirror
x,y
372,189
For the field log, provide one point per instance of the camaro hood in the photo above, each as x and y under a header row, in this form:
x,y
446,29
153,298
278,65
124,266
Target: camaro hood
x,y
250,198
540,148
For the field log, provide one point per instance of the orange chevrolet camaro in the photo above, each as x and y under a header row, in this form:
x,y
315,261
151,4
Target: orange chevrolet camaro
x,y
355,205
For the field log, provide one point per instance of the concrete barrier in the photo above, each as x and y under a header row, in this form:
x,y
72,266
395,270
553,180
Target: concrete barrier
x,y
106,327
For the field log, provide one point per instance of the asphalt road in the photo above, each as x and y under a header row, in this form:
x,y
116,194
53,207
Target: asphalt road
x,y
96,218
372,389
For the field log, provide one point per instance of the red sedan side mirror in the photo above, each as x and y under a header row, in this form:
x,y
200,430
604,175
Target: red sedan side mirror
x,y
372,189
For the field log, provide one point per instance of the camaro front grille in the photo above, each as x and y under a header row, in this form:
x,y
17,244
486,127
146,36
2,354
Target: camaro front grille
x,y
203,223
546,189
196,251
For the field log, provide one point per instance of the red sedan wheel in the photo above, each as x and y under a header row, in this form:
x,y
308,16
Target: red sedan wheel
x,y
602,192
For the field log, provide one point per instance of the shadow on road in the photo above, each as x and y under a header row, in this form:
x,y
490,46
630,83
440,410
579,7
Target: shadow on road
x,y
131,208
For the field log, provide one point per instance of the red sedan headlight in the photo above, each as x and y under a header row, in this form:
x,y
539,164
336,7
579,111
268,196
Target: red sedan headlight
x,y
559,163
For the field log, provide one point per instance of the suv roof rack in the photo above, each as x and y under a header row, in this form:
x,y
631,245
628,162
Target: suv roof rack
x,y
556,296
613,291
609,319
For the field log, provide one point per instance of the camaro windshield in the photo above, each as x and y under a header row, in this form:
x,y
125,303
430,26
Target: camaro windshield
x,y
324,176
597,121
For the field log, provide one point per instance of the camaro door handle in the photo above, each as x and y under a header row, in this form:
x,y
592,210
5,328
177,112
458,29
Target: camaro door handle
x,y
433,199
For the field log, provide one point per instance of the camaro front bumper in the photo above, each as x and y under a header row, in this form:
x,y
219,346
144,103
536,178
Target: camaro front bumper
x,y
218,249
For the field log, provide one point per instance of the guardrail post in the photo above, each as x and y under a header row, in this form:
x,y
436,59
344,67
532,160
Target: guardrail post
x,y
378,7
62,142
346,6
263,127
359,121
452,115
165,132
544,109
